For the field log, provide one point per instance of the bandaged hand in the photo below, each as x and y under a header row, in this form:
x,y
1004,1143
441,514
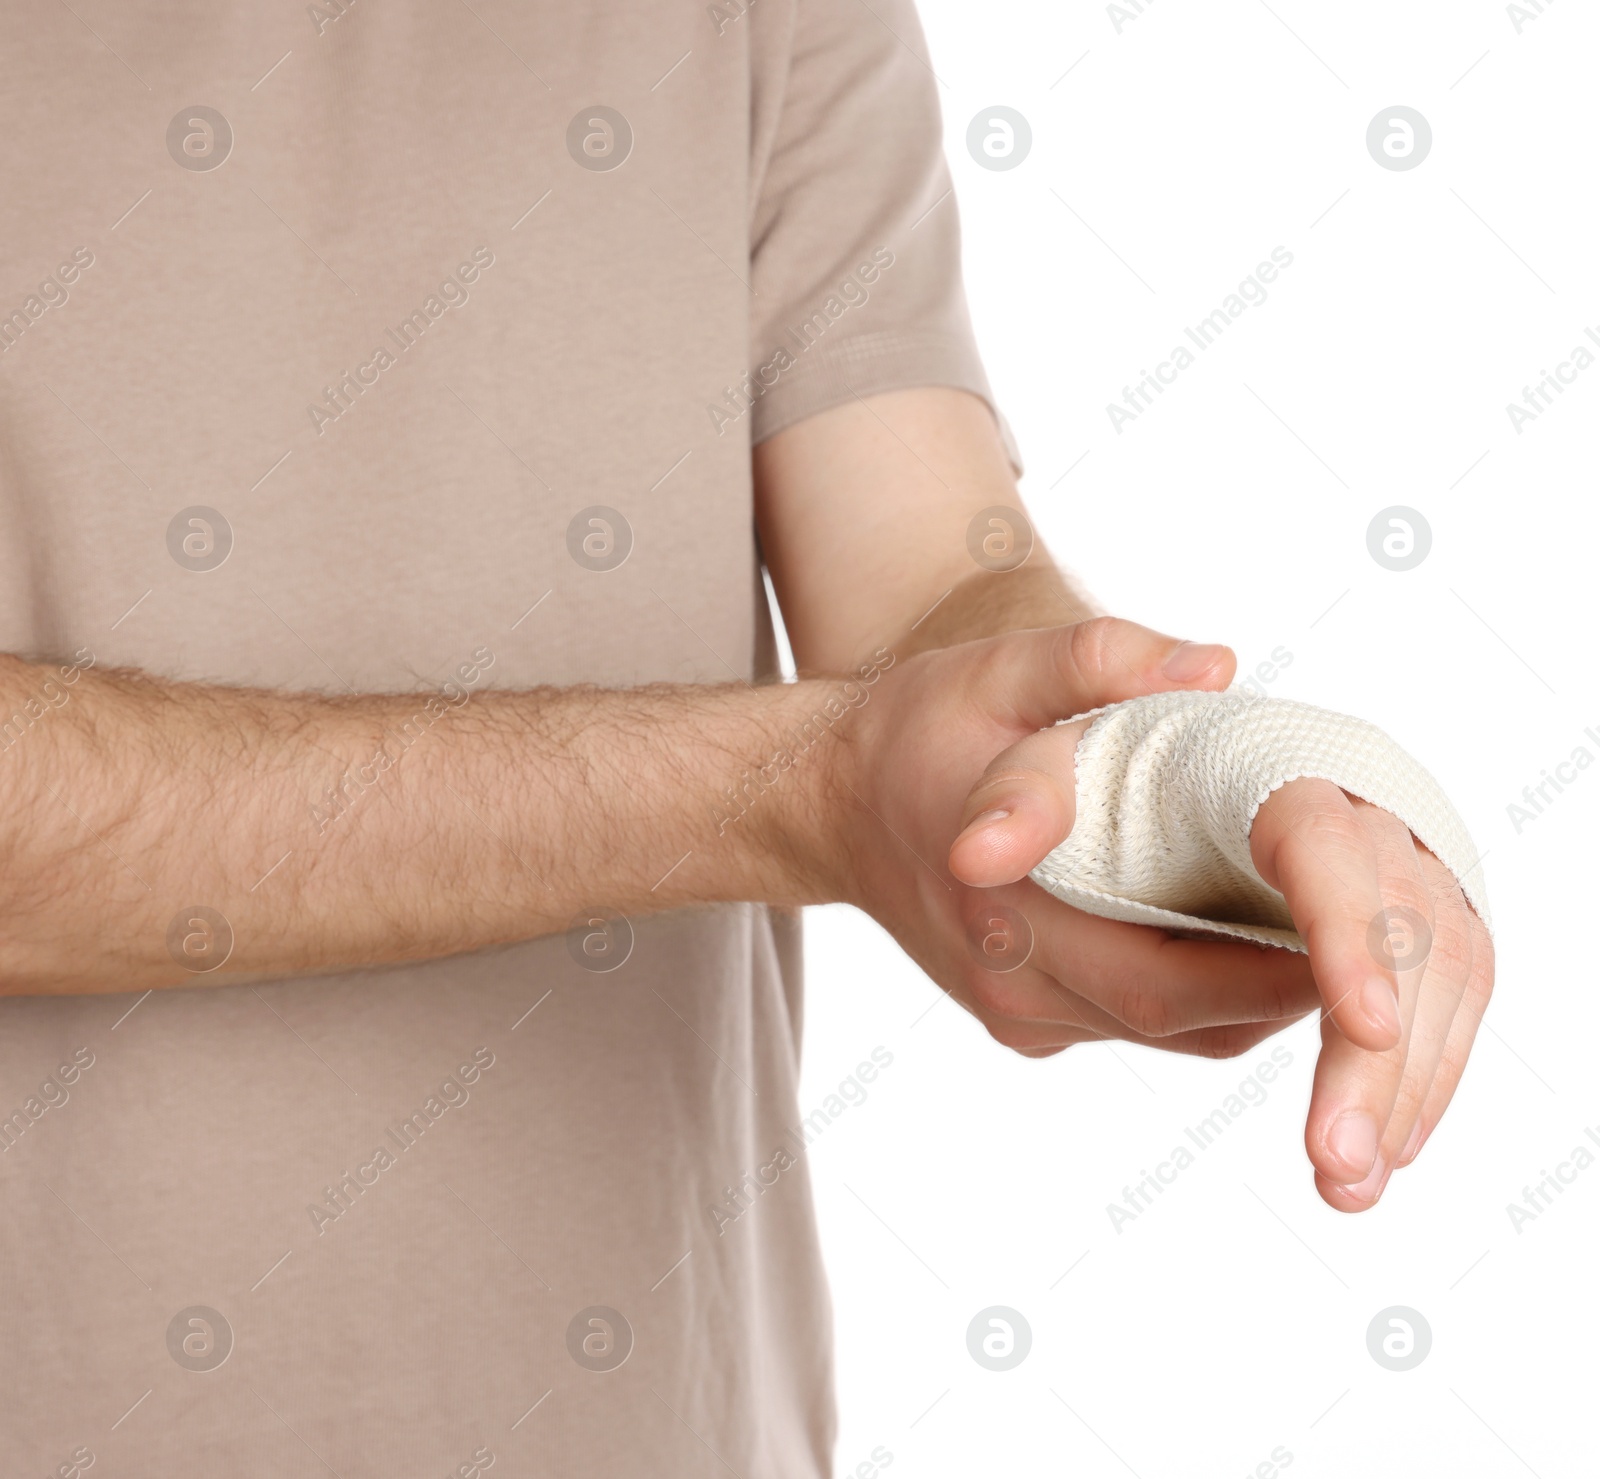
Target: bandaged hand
x,y
1217,814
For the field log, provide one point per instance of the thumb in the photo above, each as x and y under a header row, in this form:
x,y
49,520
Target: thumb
x,y
1022,807
1055,673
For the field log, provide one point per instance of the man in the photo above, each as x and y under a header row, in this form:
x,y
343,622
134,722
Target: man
x,y
380,525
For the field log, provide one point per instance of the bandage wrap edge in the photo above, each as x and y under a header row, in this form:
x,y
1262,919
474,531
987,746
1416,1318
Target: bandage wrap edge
x,y
1168,788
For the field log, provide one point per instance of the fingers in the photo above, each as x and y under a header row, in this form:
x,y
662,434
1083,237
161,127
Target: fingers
x,y
1022,807
1225,1042
1456,988
1024,1009
1358,1108
1309,843
1001,1003
1402,965
1458,1042
1159,987
1444,986
1123,980
1053,673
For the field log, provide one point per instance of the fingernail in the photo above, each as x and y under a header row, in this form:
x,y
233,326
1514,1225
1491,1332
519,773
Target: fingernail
x,y
1353,1139
1192,660
979,823
1370,1187
1413,1145
1377,1000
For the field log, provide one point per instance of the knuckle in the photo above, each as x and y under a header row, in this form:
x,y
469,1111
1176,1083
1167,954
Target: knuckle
x,y
1008,774
1147,1010
1411,894
1090,644
1016,1036
1430,1032
1224,1042
1312,830
1325,812
1452,951
995,993
1452,1064
1456,942
1272,1001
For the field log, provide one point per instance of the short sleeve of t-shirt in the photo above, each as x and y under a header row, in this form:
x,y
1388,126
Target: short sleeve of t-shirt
x,y
856,239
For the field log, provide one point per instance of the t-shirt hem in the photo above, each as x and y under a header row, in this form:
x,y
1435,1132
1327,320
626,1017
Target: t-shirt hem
x,y
870,364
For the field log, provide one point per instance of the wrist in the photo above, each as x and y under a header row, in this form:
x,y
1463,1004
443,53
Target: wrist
x,y
813,773
990,603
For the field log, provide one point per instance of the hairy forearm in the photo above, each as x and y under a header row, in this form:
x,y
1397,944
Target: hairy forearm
x,y
335,832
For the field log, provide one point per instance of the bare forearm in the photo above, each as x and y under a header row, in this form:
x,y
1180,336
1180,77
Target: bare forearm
x,y
867,515
988,603
334,832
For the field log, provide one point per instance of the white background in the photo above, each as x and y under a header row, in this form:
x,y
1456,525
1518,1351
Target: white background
x,y
1230,1319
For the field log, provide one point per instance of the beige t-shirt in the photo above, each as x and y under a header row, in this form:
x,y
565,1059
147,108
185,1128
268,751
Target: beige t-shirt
x,y
323,333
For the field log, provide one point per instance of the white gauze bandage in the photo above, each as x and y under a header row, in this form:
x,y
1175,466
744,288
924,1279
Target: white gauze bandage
x,y
1169,785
